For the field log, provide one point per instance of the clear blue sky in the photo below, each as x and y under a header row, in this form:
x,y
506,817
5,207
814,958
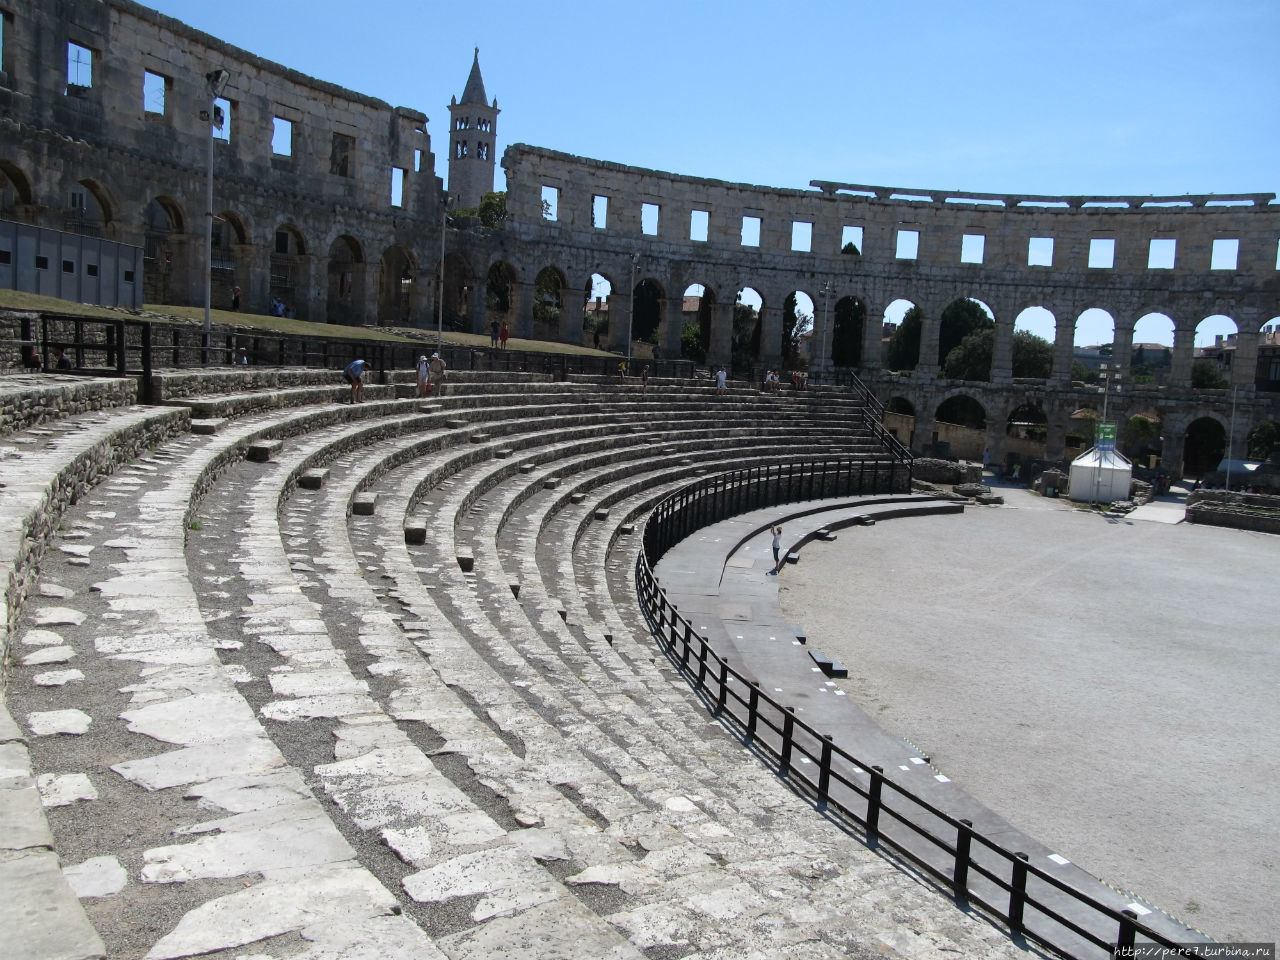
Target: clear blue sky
x,y
1081,97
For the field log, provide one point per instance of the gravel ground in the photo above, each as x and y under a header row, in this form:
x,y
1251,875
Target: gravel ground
x,y
1107,686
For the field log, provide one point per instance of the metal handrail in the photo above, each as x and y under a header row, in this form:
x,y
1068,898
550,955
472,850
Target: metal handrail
x,y
863,803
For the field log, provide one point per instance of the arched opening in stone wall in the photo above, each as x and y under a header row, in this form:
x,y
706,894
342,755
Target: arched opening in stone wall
x,y
15,194
547,303
1264,441
1141,438
229,232
397,288
795,346
1203,446
848,325
1151,360
902,352
1267,375
499,297
1027,430
1082,427
595,312
1034,330
454,306
162,220
959,428
346,282
966,340
646,306
1093,344
288,282
695,328
900,419
90,212
748,328
1214,350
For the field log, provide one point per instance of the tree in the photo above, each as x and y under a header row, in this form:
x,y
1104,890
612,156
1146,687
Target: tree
x,y
492,211
1032,356
795,324
904,345
1264,440
745,346
971,358
960,319
1205,375
692,346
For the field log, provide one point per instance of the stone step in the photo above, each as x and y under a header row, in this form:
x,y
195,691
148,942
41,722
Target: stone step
x,y
313,479
263,451
208,427
364,504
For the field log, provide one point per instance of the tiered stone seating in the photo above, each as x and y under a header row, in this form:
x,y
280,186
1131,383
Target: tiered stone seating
x,y
295,734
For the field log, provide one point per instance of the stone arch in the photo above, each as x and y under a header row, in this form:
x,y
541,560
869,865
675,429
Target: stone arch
x,y
1141,436
1151,358
1035,331
747,332
398,295
454,296
346,285
1094,344
959,426
288,278
848,328
548,302
500,293
1204,444
92,211
1263,441
966,319
162,224
1214,349
966,409
228,266
902,352
796,330
646,312
597,309
16,193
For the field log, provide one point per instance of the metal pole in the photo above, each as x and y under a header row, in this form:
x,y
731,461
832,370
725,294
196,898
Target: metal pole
x,y
1097,444
631,315
215,82
826,362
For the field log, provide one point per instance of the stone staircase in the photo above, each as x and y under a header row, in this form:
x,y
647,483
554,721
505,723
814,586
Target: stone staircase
x,y
263,724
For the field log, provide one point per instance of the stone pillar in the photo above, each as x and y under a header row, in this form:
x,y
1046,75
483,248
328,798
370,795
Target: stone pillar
x,y
253,276
1122,350
1244,361
922,435
619,320
477,315
721,347
570,328
1064,343
671,329
522,323
364,299
311,283
1183,349
1171,447
994,441
872,340
927,363
1002,353
1055,440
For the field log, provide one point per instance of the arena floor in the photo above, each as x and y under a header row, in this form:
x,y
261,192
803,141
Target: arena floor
x,y
1107,686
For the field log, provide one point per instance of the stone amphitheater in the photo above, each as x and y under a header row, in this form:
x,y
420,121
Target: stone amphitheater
x,y
249,716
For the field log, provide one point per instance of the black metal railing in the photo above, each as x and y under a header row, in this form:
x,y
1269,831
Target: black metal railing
x,y
976,869
131,347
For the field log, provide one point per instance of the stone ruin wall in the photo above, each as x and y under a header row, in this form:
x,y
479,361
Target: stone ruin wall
x,y
56,140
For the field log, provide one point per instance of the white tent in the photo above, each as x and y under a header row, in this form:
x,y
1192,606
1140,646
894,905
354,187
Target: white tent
x,y
1100,477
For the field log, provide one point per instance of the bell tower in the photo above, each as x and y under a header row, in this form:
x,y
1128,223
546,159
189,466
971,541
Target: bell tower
x,y
473,131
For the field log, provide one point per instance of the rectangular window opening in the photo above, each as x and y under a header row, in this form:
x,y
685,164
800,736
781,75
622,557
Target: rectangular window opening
x,y
599,211
417,160
154,88
397,186
128,276
801,236
851,240
550,203
973,247
1102,253
222,119
699,222
91,269
6,256
79,66
281,137
340,155
1161,254
1040,252
1226,253
751,232
42,263
649,219
68,266
282,241
908,244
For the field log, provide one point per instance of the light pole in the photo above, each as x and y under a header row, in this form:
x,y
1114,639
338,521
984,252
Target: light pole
x,y
1231,436
1097,440
826,361
216,83
631,314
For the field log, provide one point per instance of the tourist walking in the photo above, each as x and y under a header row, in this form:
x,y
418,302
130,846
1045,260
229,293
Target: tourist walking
x,y
644,379
235,298
503,333
424,384
722,377
354,374
493,333
777,550
435,370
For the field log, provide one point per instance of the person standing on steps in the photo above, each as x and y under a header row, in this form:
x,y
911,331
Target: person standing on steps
x,y
503,333
777,549
424,385
493,333
722,377
644,379
354,374
435,369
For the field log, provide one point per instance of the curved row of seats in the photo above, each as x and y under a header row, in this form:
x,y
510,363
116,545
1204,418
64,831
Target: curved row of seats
x,y
297,731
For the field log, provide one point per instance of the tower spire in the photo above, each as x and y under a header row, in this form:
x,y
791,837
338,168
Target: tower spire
x,y
472,158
